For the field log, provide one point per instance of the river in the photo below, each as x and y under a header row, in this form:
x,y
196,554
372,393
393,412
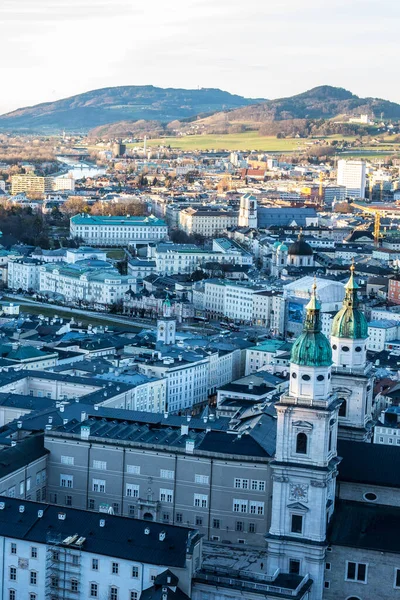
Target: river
x,y
80,169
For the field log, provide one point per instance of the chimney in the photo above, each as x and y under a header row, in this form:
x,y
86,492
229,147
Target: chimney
x,y
85,432
189,448
62,407
184,429
251,385
162,536
62,516
83,416
19,424
102,523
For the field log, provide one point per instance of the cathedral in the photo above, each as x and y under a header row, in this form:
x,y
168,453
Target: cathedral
x,y
329,398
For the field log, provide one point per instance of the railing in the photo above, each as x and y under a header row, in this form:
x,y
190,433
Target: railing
x,y
248,585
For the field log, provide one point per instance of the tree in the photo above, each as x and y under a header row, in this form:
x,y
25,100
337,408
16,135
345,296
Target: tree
x,y
73,206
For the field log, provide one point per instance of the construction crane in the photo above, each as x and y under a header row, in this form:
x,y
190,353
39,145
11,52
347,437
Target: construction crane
x,y
321,190
372,210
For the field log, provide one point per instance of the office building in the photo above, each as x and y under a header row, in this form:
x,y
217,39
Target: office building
x,y
352,175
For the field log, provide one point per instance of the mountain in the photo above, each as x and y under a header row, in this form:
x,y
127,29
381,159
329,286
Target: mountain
x,y
323,102
110,105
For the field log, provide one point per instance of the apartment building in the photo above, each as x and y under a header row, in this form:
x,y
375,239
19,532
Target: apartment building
x,y
352,175
234,300
207,221
30,184
172,470
69,553
185,258
99,286
24,274
117,231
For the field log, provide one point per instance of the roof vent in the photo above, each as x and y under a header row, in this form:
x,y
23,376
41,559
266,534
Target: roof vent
x,y
13,443
2,505
21,508
102,523
162,536
85,432
62,516
189,446
19,424
40,514
147,531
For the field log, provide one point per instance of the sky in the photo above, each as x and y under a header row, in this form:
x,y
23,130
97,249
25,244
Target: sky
x,y
52,49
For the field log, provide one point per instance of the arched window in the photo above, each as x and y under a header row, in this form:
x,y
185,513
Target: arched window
x,y
343,408
301,443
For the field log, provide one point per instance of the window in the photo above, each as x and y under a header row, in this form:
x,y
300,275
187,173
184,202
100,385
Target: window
x,y
133,596
252,527
33,578
301,443
345,348
240,505
294,375
32,596
74,585
166,517
343,408
12,595
356,572
320,378
33,552
13,574
241,483
306,377
397,578
258,485
256,508
179,517
113,593
135,572
133,469
115,507
131,510
199,521
358,348
91,504
100,464
327,585
166,495
22,488
114,568
200,500
75,559
297,524
98,485
68,500
239,526
54,582
95,564
165,474
201,479
294,566
67,460
94,588
28,483
13,548
370,497
67,481
216,523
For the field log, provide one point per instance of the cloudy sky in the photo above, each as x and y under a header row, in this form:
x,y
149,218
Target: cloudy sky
x,y
51,49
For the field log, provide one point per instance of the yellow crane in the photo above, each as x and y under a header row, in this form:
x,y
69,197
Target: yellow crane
x,y
372,210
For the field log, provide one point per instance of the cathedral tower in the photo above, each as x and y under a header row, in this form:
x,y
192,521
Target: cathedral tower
x,y
166,326
305,464
352,374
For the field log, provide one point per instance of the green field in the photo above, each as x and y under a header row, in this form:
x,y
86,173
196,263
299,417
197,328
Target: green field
x,y
250,140
231,141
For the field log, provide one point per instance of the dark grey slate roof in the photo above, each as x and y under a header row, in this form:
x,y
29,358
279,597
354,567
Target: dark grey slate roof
x,y
121,537
375,464
25,452
365,525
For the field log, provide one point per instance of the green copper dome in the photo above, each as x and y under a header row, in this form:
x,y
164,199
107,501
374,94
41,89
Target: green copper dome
x,y
350,322
312,348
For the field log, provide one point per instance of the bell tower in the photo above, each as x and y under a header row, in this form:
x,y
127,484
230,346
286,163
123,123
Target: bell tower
x,y
352,374
305,464
166,326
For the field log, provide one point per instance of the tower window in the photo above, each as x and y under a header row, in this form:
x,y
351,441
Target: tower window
x,y
345,348
297,524
358,348
343,408
294,566
320,378
301,443
305,377
294,376
334,347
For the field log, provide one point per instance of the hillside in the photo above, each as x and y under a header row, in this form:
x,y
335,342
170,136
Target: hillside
x,y
324,102
110,105
314,112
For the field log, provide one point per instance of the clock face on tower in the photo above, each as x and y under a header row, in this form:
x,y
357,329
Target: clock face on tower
x,y
161,328
299,491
